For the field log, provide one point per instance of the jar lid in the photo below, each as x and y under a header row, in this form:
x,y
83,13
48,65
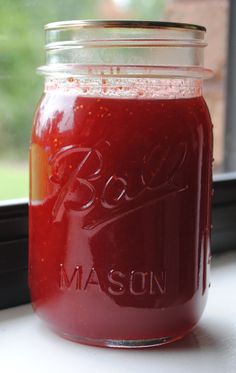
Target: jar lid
x,y
90,23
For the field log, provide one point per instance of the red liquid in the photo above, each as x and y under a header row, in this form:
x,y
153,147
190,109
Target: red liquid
x,y
119,219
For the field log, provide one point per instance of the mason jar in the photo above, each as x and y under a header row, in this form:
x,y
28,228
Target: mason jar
x,y
120,183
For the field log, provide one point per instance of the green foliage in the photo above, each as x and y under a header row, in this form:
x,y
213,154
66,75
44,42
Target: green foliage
x,y
21,51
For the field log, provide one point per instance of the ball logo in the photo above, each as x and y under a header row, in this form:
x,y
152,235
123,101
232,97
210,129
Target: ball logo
x,y
87,179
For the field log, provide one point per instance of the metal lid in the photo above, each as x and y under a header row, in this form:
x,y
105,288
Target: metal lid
x,y
122,24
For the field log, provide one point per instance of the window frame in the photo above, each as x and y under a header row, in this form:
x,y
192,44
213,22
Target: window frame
x,y
230,125
13,253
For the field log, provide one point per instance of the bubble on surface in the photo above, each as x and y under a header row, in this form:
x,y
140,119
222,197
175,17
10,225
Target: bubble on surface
x,y
120,87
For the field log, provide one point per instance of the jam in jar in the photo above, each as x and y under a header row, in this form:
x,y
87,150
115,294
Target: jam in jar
x,y
120,165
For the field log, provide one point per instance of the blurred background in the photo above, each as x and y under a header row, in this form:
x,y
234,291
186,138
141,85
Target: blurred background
x,y
22,51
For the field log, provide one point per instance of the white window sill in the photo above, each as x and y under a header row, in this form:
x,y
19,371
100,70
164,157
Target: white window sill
x,y
26,345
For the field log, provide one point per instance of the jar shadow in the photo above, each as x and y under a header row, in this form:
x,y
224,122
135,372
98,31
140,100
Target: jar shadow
x,y
208,338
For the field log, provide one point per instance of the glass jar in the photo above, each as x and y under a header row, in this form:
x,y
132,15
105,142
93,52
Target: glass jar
x,y
121,168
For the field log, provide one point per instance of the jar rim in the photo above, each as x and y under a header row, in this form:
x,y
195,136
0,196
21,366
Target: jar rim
x,y
130,44
92,23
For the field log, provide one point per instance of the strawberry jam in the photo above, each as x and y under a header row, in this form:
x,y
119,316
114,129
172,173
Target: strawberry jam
x,y
119,216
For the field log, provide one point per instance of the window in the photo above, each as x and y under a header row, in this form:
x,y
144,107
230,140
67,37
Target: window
x,y
21,51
